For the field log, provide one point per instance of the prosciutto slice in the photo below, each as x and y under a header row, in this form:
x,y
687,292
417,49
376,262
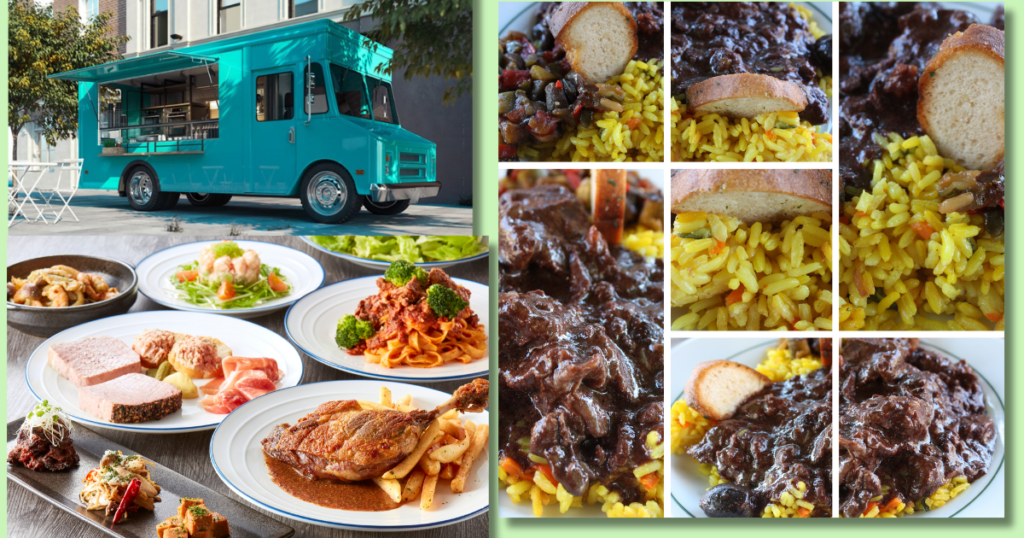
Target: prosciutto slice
x,y
245,379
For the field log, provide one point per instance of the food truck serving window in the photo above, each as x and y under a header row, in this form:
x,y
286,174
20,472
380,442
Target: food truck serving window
x,y
349,92
383,101
319,90
274,97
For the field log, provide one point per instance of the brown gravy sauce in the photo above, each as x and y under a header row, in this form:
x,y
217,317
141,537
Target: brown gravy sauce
x,y
362,496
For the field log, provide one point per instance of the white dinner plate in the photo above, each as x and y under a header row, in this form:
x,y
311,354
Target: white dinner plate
x,y
245,339
382,265
312,321
302,272
985,355
238,459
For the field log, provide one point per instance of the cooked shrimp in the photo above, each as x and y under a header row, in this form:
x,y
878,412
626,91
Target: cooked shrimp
x,y
206,260
57,295
247,267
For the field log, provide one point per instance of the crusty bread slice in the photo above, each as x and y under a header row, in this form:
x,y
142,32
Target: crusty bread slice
x,y
752,195
717,388
961,102
608,202
745,95
599,38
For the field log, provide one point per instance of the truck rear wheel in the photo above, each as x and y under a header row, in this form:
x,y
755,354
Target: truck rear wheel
x,y
144,194
202,199
385,208
328,194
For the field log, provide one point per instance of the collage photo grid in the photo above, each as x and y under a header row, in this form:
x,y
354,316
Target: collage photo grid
x,y
261,277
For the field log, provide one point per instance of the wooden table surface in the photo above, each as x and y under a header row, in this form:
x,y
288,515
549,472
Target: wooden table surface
x,y
188,454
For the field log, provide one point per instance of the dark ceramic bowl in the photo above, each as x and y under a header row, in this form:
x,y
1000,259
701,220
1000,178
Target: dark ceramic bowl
x,y
45,322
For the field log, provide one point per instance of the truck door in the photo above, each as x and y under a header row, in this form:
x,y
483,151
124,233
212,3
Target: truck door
x,y
273,137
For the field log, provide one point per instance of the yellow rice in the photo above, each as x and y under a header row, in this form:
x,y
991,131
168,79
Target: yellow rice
x,y
541,492
687,428
785,273
944,494
769,137
645,241
610,138
957,272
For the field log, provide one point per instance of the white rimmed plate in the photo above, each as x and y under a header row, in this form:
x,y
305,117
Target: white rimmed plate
x,y
302,271
238,459
245,339
984,355
382,265
311,323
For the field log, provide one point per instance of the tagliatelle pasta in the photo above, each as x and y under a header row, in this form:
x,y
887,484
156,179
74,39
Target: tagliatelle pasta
x,y
427,347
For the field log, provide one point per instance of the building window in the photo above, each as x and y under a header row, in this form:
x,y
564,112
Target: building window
x,y
229,16
319,87
92,8
382,100
274,97
158,23
298,8
349,92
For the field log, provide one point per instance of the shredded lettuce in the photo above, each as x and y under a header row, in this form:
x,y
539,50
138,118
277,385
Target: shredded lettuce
x,y
411,248
246,296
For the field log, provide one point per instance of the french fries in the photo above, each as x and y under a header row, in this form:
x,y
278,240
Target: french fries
x,y
446,450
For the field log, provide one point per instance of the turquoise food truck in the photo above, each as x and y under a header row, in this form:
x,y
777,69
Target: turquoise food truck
x,y
295,111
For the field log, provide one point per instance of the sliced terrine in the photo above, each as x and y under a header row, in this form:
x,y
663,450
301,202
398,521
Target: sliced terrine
x,y
93,360
130,398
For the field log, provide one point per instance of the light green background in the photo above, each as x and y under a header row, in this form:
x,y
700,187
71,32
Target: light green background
x,y
485,212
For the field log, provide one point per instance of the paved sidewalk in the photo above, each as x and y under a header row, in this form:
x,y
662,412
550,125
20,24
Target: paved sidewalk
x,y
105,213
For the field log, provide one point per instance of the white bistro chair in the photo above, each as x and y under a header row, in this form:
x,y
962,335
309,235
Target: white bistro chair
x,y
58,186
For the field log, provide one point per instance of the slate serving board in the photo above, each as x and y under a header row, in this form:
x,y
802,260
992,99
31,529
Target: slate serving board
x,y
61,489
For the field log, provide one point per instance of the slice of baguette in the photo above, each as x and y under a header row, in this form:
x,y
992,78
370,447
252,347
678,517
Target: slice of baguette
x,y
716,389
752,195
961,103
745,95
608,202
599,38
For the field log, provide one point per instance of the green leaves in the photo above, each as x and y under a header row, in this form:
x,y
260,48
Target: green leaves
x,y
43,43
429,37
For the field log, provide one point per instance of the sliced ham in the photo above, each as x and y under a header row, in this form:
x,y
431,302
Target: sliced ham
x,y
247,378
268,366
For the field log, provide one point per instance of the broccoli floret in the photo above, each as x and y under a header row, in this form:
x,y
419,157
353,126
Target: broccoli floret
x,y
351,331
444,301
401,272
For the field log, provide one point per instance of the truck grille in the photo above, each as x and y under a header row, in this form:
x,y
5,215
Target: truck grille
x,y
412,158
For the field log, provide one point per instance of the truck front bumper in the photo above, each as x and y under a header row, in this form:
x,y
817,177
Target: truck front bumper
x,y
390,192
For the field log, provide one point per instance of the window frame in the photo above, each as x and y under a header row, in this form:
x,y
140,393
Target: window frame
x,y
221,8
291,9
291,111
322,83
153,15
391,95
365,93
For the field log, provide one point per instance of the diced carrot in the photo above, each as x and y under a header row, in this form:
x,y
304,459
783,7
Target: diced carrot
x,y
718,248
546,469
512,467
803,512
226,291
871,505
769,135
685,424
892,505
187,276
861,214
734,297
994,316
276,283
923,229
650,481
634,122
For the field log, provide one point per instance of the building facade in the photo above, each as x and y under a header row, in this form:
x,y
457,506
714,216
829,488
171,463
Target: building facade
x,y
160,24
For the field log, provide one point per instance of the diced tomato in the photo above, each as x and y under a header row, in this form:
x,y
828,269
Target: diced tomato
x,y
923,229
506,151
546,469
187,276
734,297
276,283
542,124
226,291
512,78
512,467
650,481
634,122
718,248
994,316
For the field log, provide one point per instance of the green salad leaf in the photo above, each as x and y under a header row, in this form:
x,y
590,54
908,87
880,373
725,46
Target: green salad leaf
x,y
246,296
410,248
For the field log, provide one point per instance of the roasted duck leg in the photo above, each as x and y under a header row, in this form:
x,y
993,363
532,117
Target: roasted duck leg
x,y
341,441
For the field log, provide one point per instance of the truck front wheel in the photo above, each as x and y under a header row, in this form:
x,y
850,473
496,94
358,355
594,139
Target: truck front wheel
x,y
202,199
385,208
144,194
328,194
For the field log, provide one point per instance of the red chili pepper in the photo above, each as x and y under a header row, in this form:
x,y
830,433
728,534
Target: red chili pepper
x,y
129,496
558,84
579,108
506,151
